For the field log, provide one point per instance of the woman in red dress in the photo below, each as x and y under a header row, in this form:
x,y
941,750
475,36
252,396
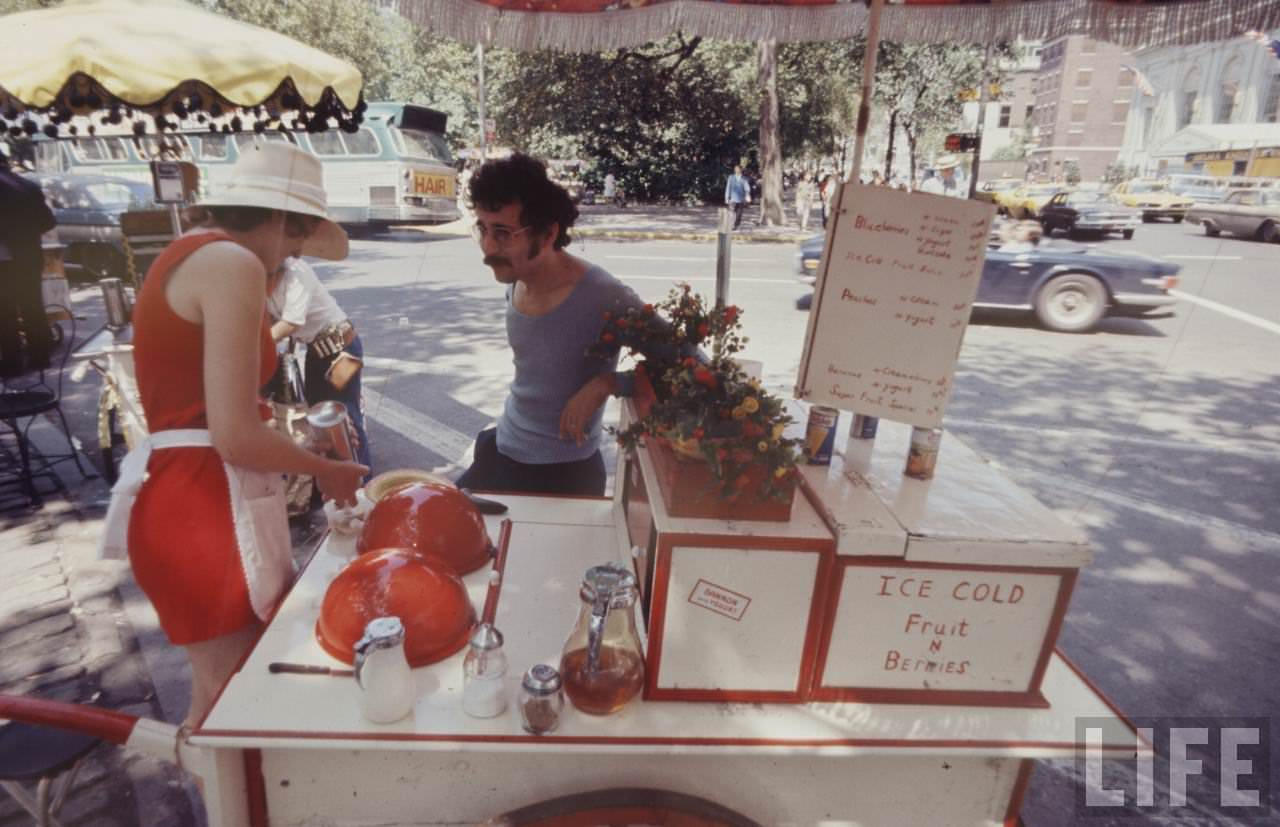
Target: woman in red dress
x,y
208,534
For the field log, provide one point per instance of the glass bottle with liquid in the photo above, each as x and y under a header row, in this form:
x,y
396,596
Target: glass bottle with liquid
x,y
602,666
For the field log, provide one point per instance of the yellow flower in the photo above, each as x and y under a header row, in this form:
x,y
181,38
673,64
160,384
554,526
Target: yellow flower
x,y
780,472
762,446
750,404
739,413
778,429
754,383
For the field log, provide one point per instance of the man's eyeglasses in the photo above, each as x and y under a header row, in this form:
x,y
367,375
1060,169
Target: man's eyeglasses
x,y
300,226
501,235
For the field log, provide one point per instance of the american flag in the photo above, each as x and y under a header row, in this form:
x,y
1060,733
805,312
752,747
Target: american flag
x,y
1141,81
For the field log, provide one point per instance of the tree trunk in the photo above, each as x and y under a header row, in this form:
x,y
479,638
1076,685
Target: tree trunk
x,y
888,152
770,140
912,137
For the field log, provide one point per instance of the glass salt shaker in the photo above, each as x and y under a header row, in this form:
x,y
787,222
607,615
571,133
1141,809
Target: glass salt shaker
x,y
484,670
541,699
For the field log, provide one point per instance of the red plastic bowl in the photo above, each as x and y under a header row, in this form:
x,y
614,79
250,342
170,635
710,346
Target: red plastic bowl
x,y
429,599
433,518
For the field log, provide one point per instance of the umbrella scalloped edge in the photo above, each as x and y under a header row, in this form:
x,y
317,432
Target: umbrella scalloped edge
x,y
191,106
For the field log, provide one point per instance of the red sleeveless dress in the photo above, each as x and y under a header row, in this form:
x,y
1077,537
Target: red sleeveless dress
x,y
182,542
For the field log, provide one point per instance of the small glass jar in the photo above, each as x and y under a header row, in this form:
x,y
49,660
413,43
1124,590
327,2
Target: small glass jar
x,y
484,670
541,699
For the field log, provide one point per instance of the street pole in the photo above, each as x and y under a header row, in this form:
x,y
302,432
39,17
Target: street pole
x,y
983,94
484,153
868,81
724,238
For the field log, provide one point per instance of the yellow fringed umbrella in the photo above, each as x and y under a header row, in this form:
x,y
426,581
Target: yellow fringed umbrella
x,y
163,58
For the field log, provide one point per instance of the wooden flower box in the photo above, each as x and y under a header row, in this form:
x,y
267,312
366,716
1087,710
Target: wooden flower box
x,y
690,489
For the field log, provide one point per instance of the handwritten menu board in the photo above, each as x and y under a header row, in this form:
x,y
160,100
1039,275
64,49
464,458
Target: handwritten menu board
x,y
892,302
927,628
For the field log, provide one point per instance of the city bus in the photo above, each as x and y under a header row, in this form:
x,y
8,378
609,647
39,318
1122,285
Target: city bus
x,y
395,169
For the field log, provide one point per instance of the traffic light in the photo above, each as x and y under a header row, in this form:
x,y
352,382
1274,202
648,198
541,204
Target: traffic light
x,y
961,142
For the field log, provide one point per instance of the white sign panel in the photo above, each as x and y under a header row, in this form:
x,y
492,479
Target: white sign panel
x,y
904,627
890,309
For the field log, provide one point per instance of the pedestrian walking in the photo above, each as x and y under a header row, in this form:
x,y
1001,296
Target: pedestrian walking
x,y
805,191
826,192
24,217
737,194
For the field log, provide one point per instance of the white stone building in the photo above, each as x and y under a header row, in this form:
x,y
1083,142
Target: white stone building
x,y
1208,97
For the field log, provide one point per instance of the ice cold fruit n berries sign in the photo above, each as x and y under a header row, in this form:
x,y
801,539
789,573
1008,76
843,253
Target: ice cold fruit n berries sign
x,y
899,277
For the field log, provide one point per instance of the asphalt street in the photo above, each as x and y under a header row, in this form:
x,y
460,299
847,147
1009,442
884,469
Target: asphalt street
x,y
1160,437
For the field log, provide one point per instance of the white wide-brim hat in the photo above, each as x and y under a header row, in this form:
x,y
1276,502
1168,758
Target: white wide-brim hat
x,y
276,175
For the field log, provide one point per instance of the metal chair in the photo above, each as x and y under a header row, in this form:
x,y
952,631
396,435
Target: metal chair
x,y
22,400
34,753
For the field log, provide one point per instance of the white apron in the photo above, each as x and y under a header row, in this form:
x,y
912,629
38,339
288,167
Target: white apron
x,y
258,509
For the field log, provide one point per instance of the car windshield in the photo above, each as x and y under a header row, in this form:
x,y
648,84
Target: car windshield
x,y
118,194
1086,198
416,143
1271,198
1148,187
1043,189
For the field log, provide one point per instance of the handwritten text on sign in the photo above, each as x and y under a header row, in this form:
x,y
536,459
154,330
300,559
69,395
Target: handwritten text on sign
x,y
900,278
899,627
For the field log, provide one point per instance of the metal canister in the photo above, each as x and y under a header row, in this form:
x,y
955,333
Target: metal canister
x,y
923,455
117,302
541,699
331,426
864,426
820,434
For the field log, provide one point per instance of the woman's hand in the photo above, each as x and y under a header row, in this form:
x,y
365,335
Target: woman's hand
x,y
339,481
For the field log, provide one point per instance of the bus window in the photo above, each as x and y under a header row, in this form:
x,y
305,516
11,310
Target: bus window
x,y
116,149
88,149
48,156
326,143
363,142
212,147
244,139
415,143
167,147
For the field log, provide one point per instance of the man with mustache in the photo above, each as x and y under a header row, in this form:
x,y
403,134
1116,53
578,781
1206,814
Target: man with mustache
x,y
547,438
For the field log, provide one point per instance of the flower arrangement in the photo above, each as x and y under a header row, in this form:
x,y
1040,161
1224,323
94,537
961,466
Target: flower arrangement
x,y
705,409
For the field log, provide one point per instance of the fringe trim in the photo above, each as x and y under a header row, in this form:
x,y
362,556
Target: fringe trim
x,y
1132,25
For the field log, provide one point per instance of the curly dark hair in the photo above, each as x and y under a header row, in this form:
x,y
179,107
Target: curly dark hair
x,y
521,179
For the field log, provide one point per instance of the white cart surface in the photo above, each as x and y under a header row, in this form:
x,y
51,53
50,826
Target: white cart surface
x,y
294,749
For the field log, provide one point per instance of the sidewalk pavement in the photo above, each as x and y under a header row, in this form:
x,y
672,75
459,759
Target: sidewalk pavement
x,y
650,222
67,634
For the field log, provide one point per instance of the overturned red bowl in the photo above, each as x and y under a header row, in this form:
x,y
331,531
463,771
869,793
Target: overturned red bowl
x,y
430,600
431,517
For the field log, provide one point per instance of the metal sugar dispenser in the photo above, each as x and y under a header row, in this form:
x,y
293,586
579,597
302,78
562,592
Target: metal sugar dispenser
x,y
602,665
484,670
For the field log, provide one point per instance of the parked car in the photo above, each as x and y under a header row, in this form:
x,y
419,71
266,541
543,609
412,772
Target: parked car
x,y
1154,198
88,209
1088,211
1068,286
1026,201
1252,212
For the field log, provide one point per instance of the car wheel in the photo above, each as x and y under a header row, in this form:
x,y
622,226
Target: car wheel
x,y
1070,229
1071,303
1210,230
1128,234
1177,219
804,302
1269,232
1147,218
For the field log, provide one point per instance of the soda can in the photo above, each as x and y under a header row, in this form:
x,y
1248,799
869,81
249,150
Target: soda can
x,y
923,455
330,424
864,427
820,435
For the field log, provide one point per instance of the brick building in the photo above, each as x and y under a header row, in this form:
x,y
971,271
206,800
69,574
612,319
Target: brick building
x,y
1082,95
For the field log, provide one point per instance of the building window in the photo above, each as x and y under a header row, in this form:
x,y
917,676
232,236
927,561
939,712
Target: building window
x,y
1075,137
1125,80
1078,112
1119,111
1031,107
1084,78
1089,46
1189,106
1006,110
1229,91
1271,103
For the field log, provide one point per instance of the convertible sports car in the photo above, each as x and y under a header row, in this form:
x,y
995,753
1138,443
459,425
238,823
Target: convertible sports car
x,y
1068,286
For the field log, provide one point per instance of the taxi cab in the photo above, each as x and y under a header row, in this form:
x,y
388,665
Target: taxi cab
x,y
1154,198
1027,201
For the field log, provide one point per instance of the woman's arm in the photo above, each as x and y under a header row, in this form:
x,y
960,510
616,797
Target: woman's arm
x,y
229,286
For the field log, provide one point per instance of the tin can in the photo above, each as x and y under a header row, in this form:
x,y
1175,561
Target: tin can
x,y
329,423
820,435
864,427
117,301
923,455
